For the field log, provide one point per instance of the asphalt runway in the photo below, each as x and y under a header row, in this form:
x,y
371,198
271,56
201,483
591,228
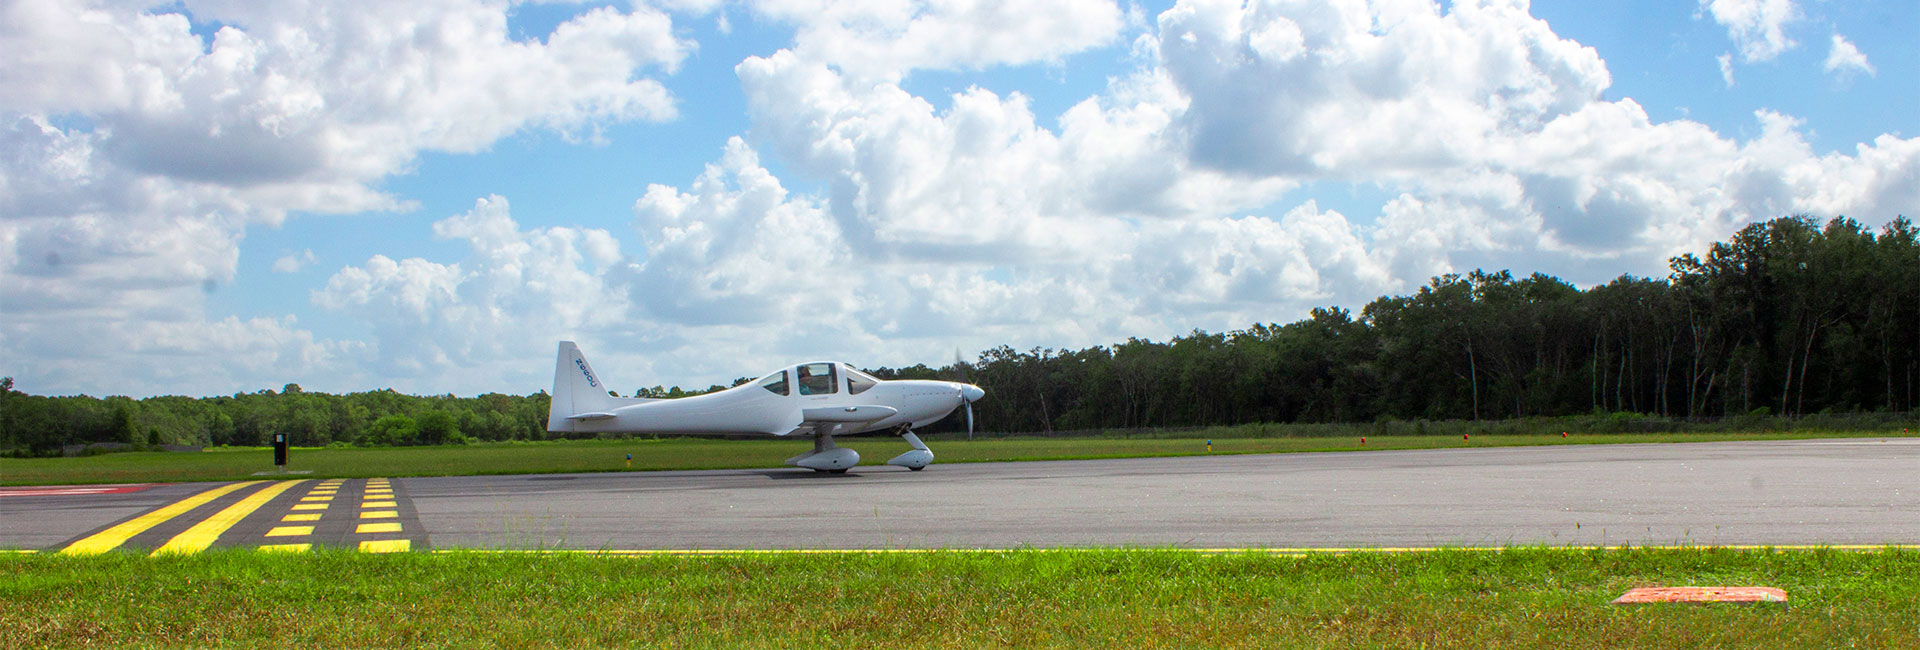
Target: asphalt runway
x,y
1812,492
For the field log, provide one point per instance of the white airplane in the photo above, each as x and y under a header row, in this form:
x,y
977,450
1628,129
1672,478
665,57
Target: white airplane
x,y
819,400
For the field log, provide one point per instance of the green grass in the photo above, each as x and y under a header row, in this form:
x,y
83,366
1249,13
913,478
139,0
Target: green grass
x,y
1526,598
693,453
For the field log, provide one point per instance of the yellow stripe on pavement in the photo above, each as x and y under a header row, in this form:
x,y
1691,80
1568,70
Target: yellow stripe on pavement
x,y
112,538
386,546
377,528
203,534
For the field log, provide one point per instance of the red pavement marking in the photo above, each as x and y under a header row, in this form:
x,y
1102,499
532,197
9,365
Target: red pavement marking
x,y
71,490
1702,595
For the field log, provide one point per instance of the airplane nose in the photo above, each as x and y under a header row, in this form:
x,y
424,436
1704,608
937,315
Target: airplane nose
x,y
972,393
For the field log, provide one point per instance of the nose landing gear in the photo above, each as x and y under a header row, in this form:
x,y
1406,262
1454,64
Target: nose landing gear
x,y
915,459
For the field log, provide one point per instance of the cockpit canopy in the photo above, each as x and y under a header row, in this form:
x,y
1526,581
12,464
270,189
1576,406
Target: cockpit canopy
x,y
820,378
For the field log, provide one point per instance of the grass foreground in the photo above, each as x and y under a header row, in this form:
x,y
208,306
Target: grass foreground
x,y
571,456
1140,598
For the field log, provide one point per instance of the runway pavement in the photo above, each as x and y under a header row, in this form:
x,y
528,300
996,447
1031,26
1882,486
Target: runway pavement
x,y
1813,492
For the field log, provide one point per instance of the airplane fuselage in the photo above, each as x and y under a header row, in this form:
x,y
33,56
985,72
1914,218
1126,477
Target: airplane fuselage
x,y
820,399
750,409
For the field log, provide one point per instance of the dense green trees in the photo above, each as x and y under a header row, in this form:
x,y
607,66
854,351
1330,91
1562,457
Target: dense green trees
x,y
1788,317
40,425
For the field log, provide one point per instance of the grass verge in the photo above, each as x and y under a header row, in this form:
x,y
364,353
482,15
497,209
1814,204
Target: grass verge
x,y
1524,598
694,453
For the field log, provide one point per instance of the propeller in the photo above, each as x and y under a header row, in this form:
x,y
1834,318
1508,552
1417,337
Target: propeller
x,y
966,398
969,402
968,392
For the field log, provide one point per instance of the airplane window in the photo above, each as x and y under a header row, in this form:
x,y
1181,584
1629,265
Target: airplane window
x,y
817,379
858,382
775,383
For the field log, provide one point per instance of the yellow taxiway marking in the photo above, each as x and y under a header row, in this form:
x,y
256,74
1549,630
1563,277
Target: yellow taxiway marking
x,y
112,538
302,516
392,527
380,492
386,546
379,514
309,506
203,534
318,499
286,548
323,493
377,504
290,531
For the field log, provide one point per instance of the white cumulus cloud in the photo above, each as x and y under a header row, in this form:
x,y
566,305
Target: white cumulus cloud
x,y
1845,59
1757,27
137,152
438,325
881,40
293,262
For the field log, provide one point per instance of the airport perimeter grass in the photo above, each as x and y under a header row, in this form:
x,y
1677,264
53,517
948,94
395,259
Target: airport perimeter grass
x,y
694,453
1517,598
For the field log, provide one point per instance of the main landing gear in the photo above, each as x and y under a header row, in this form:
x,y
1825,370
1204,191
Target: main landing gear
x,y
834,459
826,456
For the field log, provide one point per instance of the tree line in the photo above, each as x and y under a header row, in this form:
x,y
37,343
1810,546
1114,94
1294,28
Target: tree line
x,y
38,425
1787,317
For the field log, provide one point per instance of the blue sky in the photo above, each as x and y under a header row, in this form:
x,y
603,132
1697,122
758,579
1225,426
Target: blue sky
x,y
353,197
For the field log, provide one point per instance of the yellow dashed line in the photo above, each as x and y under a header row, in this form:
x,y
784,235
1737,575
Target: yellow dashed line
x,y
286,548
385,546
290,531
379,514
309,516
112,538
309,506
318,499
377,504
203,534
393,527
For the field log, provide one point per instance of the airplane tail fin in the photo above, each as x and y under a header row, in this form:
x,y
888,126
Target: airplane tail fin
x,y
576,390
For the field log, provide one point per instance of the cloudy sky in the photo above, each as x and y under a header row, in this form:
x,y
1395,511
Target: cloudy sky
x,y
204,198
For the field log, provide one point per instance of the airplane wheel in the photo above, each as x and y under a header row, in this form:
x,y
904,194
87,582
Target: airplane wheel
x,y
836,471
918,468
